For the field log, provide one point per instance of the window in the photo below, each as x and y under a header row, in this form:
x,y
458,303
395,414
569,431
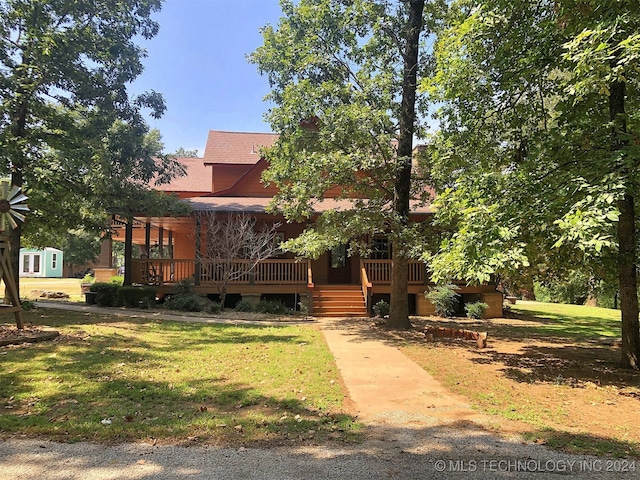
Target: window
x,y
380,248
36,264
54,260
25,263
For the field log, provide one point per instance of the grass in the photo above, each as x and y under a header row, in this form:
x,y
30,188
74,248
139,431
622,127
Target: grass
x,y
70,286
572,321
550,373
110,379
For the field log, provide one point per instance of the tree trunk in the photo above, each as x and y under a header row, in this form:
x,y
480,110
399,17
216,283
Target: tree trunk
x,y
628,284
399,309
19,132
627,255
223,297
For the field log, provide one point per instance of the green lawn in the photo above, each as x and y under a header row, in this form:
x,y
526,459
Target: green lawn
x,y
178,382
70,286
570,320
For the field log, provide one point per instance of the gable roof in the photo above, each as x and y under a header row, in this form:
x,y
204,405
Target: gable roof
x,y
197,178
236,147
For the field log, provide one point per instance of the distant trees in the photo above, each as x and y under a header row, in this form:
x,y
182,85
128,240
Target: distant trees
x,y
182,152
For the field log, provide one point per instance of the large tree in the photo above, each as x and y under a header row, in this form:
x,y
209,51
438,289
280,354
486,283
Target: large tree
x,y
343,81
537,158
70,131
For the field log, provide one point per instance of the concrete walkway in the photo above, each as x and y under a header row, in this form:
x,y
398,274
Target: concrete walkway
x,y
384,385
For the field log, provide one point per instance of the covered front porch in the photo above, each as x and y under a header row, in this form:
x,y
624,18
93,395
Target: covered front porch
x,y
334,284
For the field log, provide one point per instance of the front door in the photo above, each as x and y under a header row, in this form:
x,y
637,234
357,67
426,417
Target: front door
x,y
339,265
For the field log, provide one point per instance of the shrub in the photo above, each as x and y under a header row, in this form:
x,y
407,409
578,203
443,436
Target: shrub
x,y
117,280
271,306
88,278
183,287
136,297
381,309
243,306
444,298
28,305
303,308
476,309
213,307
186,303
106,293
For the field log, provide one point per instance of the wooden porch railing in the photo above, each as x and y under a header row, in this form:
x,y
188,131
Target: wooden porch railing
x,y
379,271
366,286
274,271
161,271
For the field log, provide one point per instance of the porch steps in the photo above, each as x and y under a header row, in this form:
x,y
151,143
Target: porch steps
x,y
339,301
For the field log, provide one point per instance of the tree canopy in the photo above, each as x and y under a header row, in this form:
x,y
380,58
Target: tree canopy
x,y
537,157
71,133
343,78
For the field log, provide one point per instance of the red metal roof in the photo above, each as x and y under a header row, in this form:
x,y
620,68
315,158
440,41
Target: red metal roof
x,y
236,147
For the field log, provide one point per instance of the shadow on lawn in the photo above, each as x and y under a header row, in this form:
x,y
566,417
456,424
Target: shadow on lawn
x,y
165,385
571,365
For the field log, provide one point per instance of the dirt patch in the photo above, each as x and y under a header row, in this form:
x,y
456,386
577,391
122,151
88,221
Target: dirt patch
x,y
10,335
567,392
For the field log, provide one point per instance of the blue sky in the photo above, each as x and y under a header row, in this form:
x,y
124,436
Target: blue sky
x,y
198,63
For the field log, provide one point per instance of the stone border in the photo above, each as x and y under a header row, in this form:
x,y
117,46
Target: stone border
x,y
30,338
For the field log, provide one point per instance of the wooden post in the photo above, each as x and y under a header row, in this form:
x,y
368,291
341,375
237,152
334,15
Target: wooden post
x,y
147,239
196,280
128,250
6,273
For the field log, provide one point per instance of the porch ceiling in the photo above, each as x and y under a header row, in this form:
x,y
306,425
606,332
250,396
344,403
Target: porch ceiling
x,y
259,205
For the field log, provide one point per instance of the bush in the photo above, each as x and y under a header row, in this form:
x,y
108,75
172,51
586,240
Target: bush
x,y
88,278
187,303
28,305
243,306
136,297
106,294
271,306
117,280
445,299
213,307
381,309
476,309
183,287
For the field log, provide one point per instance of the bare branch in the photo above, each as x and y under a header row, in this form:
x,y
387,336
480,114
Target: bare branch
x,y
233,247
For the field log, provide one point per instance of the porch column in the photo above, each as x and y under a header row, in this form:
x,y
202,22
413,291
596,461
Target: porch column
x,y
147,239
128,248
196,280
106,253
161,242
170,240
